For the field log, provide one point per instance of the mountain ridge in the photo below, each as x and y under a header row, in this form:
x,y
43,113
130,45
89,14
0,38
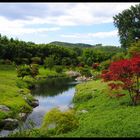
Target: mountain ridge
x,y
67,44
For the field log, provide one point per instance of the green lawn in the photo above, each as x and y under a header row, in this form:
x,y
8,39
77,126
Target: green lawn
x,y
9,92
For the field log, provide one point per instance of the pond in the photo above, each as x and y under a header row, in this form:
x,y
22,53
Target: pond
x,y
54,92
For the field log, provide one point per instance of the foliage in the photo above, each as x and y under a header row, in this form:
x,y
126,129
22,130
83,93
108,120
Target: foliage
x,y
96,74
96,66
118,56
105,64
85,71
128,23
27,70
58,69
49,62
23,70
22,52
134,48
59,122
126,71
98,54
34,68
20,61
66,61
36,60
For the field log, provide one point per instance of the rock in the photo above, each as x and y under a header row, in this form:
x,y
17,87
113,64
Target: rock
x,y
73,73
83,78
9,124
21,91
4,108
83,111
34,103
23,116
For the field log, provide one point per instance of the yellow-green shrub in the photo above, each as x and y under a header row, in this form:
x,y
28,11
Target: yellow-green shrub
x,y
58,122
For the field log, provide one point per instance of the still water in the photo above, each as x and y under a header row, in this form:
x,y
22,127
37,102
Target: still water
x,y
56,92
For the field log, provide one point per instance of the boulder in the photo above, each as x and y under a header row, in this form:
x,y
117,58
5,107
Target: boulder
x,y
83,78
34,103
9,124
4,108
23,116
21,91
83,111
73,73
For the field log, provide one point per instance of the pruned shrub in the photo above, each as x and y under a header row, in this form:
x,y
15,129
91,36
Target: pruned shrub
x,y
58,122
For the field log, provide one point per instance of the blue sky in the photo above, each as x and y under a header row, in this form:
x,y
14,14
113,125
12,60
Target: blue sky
x,y
90,23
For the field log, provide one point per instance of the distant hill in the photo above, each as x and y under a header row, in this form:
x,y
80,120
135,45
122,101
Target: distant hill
x,y
66,44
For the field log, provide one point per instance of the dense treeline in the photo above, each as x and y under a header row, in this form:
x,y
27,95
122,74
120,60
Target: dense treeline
x,y
22,52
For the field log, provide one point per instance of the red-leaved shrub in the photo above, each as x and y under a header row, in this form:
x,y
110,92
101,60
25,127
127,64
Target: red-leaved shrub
x,y
126,71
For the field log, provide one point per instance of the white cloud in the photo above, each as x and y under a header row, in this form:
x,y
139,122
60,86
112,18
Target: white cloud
x,y
80,13
91,35
70,14
103,34
18,27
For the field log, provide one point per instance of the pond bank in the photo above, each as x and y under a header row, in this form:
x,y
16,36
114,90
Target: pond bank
x,y
14,100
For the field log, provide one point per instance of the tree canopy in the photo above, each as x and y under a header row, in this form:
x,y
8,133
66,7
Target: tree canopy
x,y
128,24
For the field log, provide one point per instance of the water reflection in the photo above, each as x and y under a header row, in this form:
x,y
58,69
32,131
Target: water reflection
x,y
53,86
56,92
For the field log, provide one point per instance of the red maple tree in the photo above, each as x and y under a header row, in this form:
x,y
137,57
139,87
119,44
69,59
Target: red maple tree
x,y
126,71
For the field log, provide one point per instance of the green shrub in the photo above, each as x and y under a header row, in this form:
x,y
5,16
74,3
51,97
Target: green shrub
x,y
21,84
105,64
23,70
118,56
96,74
36,60
34,70
58,69
20,61
49,62
134,48
85,71
58,122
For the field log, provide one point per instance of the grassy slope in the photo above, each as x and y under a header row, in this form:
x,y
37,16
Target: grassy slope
x,y
9,92
106,117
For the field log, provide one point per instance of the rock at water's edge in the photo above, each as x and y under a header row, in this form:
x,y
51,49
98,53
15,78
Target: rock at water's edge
x,y
9,124
4,108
